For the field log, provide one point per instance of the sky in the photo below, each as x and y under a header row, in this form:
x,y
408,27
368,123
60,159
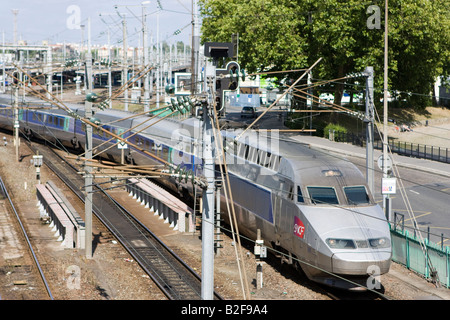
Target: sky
x,y
57,21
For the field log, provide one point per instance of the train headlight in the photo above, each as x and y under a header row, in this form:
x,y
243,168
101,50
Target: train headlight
x,y
340,243
379,243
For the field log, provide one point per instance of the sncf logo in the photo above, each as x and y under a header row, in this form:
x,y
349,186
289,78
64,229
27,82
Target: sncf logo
x,y
299,228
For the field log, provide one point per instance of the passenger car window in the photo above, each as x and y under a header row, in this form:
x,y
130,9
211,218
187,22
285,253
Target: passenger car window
x,y
323,195
356,195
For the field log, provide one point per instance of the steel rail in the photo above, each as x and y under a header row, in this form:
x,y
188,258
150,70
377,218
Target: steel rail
x,y
30,247
141,254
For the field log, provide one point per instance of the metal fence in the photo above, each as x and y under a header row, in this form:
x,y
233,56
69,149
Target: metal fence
x,y
407,250
416,150
403,148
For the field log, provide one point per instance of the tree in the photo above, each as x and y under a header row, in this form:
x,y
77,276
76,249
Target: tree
x,y
270,36
291,34
420,36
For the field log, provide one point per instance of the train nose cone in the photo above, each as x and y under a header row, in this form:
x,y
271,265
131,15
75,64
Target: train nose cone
x,y
361,263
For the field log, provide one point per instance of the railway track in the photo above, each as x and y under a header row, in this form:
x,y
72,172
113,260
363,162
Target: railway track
x,y
337,294
174,277
5,194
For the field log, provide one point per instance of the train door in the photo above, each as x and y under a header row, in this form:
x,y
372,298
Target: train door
x,y
27,128
76,138
276,203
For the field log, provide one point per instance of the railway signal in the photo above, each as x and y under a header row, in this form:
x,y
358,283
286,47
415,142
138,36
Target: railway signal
x,y
227,80
37,162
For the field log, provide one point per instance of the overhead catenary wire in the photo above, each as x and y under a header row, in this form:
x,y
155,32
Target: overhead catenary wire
x,y
282,253
132,128
221,150
376,89
57,102
410,210
278,99
43,97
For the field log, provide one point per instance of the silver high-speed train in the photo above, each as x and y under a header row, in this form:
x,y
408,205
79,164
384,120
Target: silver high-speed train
x,y
314,208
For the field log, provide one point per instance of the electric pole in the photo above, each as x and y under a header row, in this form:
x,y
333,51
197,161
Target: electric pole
x,y
4,64
145,57
16,116
49,72
15,13
88,149
109,70
369,128
125,64
158,57
386,199
195,47
208,193
214,51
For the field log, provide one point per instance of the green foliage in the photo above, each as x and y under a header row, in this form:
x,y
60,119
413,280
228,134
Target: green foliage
x,y
279,35
333,127
270,35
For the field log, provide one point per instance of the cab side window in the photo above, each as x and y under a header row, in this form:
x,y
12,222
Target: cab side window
x,y
300,195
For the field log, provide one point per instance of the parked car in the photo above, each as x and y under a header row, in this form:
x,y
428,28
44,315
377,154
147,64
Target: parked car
x,y
248,111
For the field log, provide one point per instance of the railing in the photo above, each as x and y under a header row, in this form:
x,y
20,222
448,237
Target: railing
x,y
417,150
348,137
407,250
422,151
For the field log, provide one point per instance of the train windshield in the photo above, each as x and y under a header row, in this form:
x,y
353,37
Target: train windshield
x,y
357,195
323,195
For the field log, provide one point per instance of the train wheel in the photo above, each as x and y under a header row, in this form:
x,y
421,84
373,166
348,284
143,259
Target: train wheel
x,y
129,159
28,132
75,143
298,267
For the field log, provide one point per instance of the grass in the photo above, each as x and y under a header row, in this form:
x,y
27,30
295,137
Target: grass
x,y
410,115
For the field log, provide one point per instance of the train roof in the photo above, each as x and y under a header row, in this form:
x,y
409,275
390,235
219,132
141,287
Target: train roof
x,y
314,166
299,157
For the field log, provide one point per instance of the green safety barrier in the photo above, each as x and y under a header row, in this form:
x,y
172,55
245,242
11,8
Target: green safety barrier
x,y
406,250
